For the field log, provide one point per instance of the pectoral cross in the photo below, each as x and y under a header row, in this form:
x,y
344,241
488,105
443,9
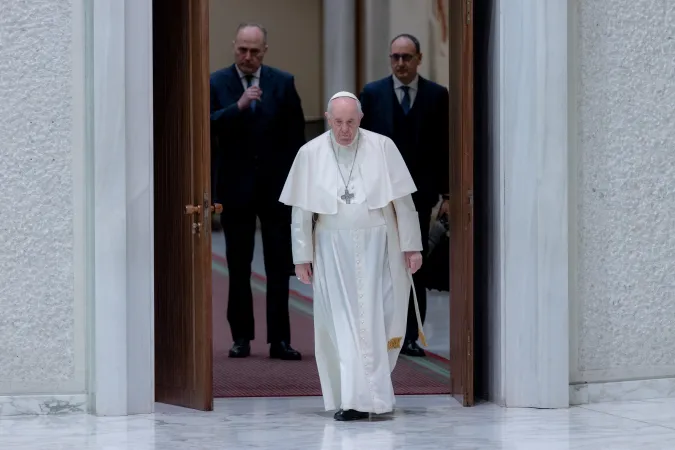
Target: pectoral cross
x,y
347,196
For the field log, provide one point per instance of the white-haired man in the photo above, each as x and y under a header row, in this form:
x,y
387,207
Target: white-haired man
x,y
356,238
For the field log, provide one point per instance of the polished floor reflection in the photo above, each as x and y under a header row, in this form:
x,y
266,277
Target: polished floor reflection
x,y
420,423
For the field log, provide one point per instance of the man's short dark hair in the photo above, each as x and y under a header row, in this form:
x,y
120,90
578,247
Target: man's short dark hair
x,y
252,25
410,37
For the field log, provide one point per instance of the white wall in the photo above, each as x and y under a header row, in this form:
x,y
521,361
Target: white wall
x,y
42,291
624,300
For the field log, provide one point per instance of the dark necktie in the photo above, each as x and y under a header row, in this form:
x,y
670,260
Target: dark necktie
x,y
405,102
249,83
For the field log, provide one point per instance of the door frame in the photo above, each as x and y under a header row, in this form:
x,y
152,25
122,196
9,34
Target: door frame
x,y
113,51
117,108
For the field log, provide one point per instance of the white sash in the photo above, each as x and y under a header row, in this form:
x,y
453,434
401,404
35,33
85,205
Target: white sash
x,y
420,331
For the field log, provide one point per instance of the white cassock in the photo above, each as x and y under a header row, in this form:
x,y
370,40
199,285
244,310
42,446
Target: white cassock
x,y
361,282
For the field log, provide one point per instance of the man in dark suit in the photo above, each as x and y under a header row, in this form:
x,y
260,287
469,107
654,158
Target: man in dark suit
x,y
258,121
413,112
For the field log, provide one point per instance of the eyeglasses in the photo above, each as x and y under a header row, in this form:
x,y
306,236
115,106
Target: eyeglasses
x,y
405,57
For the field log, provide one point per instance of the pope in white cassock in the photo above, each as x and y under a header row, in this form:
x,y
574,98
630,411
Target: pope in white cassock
x,y
356,238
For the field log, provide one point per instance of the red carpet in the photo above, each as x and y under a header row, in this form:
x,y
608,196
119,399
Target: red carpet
x,y
259,376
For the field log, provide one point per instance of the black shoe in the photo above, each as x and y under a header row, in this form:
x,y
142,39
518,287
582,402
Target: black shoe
x,y
241,348
282,350
410,348
349,415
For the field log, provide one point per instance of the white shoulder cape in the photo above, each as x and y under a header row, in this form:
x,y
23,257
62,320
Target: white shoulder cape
x,y
314,180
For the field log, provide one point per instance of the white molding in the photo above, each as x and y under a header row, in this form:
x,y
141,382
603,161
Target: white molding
x,y
122,370
81,241
573,160
589,393
533,300
498,358
140,208
110,209
535,150
620,374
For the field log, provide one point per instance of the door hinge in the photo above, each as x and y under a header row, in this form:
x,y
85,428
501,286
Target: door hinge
x,y
468,12
468,345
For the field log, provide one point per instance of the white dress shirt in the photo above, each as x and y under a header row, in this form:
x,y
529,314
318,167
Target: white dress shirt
x,y
254,82
412,91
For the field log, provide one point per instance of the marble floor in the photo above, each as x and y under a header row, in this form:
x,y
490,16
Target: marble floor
x,y
436,327
420,423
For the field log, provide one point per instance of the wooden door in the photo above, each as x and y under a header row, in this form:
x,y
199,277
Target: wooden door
x,y
183,329
461,190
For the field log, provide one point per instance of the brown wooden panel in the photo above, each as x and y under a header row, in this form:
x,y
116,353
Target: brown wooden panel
x,y
461,189
183,329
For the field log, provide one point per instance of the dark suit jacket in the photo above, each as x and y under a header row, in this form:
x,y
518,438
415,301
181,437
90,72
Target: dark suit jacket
x,y
429,163
253,150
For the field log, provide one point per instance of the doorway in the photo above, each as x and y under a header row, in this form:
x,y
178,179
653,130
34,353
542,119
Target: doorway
x,y
183,335
183,205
